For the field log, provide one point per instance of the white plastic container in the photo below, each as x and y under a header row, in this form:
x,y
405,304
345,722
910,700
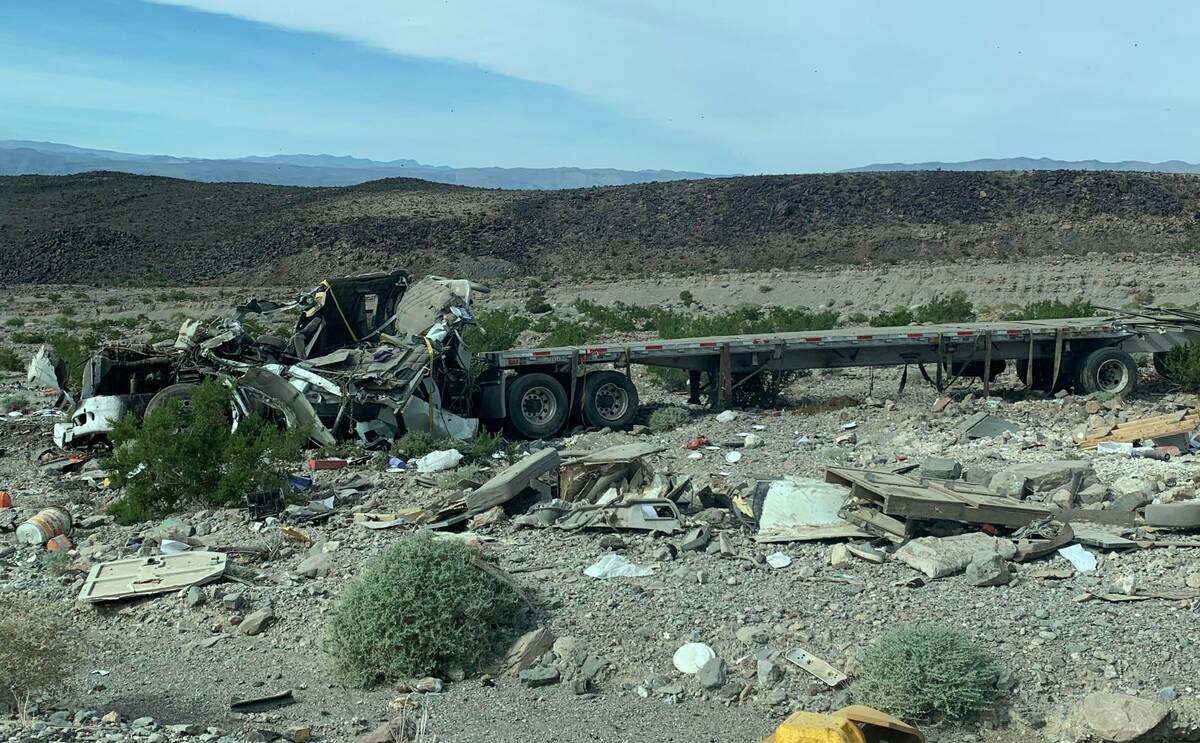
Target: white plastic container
x,y
44,526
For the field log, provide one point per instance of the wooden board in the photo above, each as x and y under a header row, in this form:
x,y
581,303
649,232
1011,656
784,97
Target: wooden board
x,y
1172,424
903,496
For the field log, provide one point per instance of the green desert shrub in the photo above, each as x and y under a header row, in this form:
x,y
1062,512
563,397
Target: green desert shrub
x,y
923,671
669,418
1052,309
181,456
1182,366
450,479
496,330
36,651
9,360
483,446
536,304
894,318
416,444
953,307
422,607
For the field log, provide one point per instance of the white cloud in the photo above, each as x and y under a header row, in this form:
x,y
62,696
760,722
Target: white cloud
x,y
794,84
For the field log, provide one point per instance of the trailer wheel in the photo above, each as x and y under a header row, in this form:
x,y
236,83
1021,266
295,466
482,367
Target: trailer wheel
x,y
610,400
181,392
537,405
1108,370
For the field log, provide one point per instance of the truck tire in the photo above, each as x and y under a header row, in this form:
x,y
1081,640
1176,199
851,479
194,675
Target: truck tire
x,y
537,405
1108,370
181,392
610,400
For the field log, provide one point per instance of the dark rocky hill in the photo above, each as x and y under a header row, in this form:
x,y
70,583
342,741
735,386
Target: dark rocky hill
x,y
114,228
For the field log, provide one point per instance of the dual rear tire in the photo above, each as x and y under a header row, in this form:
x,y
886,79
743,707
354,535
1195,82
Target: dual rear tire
x,y
538,407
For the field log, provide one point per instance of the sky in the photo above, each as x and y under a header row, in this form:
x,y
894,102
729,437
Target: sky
x,y
766,86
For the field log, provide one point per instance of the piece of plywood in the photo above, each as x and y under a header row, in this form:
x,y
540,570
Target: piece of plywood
x,y
905,497
146,576
1155,427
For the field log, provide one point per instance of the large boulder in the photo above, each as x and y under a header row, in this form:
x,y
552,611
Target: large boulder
x,y
1115,718
1021,480
937,557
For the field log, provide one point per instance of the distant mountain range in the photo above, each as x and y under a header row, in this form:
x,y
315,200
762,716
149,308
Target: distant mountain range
x,y
22,157
1038,163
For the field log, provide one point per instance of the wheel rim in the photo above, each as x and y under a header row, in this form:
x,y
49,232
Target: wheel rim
x,y
539,405
1112,376
610,401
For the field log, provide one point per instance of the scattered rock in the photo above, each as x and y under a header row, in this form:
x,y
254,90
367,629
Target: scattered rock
x,y
752,635
768,673
712,674
941,469
194,596
1116,718
839,556
539,676
938,557
1022,479
988,569
527,649
429,685
256,621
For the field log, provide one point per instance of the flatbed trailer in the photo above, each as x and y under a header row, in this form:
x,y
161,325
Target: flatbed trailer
x,y
537,390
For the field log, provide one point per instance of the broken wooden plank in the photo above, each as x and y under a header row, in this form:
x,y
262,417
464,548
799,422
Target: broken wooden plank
x,y
1158,426
919,498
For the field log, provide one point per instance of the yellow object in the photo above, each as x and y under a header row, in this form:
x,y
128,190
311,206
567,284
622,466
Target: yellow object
x,y
809,727
853,724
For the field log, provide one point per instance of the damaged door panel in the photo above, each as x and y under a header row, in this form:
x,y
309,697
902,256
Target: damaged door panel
x,y
146,576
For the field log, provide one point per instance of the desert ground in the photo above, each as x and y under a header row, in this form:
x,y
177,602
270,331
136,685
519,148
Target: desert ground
x,y
166,667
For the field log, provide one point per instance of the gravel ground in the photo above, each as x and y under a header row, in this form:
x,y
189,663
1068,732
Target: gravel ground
x,y
158,658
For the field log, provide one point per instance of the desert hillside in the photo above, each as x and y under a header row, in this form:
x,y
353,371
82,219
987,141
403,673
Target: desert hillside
x,y
111,228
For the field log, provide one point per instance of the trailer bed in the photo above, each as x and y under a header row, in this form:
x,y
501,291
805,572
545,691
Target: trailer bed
x,y
904,338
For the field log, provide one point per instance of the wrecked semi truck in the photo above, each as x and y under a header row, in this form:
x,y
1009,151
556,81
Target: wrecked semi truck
x,y
376,355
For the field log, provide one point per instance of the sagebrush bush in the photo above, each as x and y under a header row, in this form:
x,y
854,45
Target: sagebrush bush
x,y
181,456
668,418
483,446
35,650
1182,365
449,479
1052,309
9,360
497,330
422,607
926,670
416,444
536,304
953,307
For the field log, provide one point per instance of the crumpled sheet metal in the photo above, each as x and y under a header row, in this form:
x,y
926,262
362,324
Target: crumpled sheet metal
x,y
289,401
642,514
424,303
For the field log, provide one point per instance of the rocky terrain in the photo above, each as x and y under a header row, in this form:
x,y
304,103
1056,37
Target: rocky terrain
x,y
166,667
107,229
